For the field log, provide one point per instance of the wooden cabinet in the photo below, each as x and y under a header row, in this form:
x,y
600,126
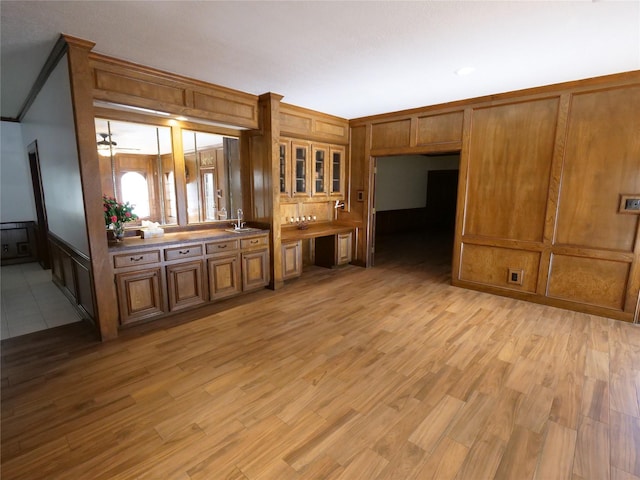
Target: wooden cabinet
x,y
140,294
311,170
185,285
334,250
223,268
255,262
291,259
319,170
300,169
336,171
175,277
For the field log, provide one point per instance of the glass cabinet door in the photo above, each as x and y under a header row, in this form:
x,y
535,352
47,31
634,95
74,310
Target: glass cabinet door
x,y
337,171
301,154
320,155
285,171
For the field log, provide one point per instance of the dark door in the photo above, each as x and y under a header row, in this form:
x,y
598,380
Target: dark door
x,y
41,212
442,193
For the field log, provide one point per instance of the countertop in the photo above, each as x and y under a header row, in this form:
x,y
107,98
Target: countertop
x,y
320,229
181,237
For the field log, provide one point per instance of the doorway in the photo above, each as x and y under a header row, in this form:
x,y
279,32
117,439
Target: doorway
x,y
415,211
42,227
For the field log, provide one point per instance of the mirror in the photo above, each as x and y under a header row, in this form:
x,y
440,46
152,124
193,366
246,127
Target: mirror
x,y
137,165
212,172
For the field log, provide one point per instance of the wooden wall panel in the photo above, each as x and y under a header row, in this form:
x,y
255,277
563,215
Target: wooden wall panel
x,y
509,164
310,125
490,266
225,105
113,82
392,134
604,131
589,280
442,128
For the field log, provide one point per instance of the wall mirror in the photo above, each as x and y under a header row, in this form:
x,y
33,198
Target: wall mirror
x,y
212,172
137,165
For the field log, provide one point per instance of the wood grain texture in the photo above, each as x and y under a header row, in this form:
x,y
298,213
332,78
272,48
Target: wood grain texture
x,y
351,373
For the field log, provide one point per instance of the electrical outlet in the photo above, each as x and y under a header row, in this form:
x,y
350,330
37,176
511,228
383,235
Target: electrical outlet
x,y
5,247
630,203
515,276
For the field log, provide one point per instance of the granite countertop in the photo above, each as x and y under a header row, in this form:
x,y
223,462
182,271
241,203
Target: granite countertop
x,y
182,237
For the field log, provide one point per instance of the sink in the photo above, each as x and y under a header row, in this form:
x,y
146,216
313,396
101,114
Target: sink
x,y
242,230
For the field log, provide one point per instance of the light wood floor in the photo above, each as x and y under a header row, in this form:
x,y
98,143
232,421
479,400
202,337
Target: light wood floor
x,y
382,373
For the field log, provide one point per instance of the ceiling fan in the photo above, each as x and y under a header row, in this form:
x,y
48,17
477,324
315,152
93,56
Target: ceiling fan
x,y
106,146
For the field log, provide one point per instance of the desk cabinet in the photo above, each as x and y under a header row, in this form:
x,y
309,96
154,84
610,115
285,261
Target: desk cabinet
x,y
333,250
291,259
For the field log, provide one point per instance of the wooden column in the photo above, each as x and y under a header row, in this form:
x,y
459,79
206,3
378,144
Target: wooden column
x,y
106,305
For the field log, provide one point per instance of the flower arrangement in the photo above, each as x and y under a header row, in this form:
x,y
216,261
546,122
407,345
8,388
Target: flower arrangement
x,y
116,212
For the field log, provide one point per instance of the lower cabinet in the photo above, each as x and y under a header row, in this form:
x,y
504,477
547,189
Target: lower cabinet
x,y
255,269
140,294
333,250
185,285
155,282
291,259
224,276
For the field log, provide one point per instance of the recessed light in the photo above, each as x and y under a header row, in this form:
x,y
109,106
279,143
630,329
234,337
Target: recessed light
x,y
465,71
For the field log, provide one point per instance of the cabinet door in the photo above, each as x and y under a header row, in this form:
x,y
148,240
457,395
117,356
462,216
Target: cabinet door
x,y
224,276
300,162
255,269
285,170
337,168
185,285
139,295
320,171
343,248
291,259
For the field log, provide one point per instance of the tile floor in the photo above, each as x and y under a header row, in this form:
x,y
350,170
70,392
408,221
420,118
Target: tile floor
x,y
31,302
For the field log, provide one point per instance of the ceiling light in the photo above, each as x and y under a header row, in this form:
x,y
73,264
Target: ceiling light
x,y
182,119
465,71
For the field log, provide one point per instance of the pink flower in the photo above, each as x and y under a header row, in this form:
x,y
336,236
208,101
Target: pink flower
x,y
114,219
127,214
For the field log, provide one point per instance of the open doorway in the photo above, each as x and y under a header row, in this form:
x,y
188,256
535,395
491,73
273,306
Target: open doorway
x,y
415,209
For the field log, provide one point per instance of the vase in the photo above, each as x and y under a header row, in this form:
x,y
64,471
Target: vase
x,y
118,231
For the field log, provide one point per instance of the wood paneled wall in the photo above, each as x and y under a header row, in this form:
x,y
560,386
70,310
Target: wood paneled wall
x,y
541,178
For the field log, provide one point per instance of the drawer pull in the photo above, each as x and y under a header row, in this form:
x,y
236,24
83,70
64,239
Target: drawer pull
x,y
222,246
136,259
184,252
255,241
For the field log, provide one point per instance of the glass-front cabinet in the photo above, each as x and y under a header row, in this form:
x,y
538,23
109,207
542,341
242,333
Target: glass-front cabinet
x,y
337,164
138,165
300,152
284,151
320,155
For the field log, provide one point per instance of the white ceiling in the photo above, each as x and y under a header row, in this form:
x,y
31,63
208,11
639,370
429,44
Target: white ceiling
x,y
346,58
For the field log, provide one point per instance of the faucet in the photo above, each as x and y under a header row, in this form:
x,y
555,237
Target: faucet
x,y
240,223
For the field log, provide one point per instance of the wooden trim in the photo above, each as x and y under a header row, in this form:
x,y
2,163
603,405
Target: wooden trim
x,y
56,54
106,307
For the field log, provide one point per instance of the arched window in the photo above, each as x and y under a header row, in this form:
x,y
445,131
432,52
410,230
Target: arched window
x,y
136,191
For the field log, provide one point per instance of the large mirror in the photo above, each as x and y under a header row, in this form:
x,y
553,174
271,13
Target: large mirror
x,y
212,172
137,165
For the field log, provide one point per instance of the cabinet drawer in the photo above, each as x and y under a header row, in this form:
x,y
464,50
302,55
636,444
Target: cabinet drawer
x,y
136,258
253,242
222,246
178,253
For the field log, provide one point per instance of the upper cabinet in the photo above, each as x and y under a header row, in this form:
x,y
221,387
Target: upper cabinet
x,y
310,170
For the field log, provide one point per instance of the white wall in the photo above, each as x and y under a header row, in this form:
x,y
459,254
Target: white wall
x,y
50,122
16,192
401,181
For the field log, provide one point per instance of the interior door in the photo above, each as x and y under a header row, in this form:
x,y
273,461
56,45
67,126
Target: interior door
x,y
41,211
